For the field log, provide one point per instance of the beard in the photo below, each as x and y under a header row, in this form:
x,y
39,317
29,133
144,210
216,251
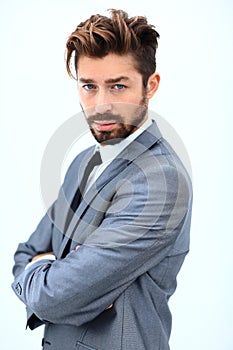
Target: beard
x,y
124,125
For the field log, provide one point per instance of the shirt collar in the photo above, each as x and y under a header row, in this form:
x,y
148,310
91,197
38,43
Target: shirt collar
x,y
109,152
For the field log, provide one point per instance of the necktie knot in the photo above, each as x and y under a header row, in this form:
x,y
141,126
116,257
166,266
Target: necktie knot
x,y
95,160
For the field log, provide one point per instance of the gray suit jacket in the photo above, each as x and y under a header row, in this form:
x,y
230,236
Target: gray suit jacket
x,y
133,229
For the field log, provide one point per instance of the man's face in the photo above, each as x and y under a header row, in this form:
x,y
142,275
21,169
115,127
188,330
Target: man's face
x,y
112,96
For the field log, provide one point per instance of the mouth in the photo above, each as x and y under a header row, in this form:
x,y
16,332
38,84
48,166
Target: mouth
x,y
104,125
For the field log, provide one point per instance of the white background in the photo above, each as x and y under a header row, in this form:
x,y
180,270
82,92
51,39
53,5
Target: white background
x,y
195,60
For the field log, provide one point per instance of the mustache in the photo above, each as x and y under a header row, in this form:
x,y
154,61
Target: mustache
x,y
104,117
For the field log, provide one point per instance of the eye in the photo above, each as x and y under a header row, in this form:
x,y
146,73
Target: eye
x,y
119,87
89,87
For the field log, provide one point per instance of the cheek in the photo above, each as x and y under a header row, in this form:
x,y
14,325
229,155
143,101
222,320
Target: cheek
x,y
82,97
86,102
135,98
129,109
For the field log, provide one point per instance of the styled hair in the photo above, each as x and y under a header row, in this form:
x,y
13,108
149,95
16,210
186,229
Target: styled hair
x,y
100,35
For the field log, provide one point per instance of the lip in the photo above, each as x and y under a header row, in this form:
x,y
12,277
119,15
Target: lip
x,y
104,125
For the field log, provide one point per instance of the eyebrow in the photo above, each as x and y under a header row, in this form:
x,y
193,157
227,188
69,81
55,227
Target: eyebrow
x,y
108,81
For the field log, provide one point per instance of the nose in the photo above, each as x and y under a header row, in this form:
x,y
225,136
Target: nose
x,y
103,108
103,103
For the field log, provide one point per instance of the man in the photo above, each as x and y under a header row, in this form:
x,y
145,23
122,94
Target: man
x,y
99,269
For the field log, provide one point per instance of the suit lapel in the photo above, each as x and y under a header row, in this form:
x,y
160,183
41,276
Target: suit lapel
x,y
140,145
65,198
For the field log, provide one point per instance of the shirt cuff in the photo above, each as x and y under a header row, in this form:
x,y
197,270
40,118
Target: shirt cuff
x,y
44,257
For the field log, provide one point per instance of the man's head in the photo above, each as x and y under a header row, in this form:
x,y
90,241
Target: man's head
x,y
115,65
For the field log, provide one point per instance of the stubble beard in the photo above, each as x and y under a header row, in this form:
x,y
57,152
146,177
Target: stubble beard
x,y
123,130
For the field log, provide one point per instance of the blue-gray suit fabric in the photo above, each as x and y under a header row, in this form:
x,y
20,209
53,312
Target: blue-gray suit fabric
x,y
133,228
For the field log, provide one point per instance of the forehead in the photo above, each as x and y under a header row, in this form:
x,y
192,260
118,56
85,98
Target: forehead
x,y
111,66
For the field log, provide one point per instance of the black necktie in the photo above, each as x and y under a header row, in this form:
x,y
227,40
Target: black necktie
x,y
95,160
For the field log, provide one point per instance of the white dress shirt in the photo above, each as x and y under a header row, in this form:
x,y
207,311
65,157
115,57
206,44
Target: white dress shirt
x,y
110,152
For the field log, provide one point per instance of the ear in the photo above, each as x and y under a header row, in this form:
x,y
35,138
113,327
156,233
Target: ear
x,y
152,85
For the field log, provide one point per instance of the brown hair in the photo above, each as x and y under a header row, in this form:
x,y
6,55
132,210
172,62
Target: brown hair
x,y
100,35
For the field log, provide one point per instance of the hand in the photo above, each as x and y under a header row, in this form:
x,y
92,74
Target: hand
x,y
76,248
40,255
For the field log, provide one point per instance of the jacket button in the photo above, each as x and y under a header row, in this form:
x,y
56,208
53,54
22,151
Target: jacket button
x,y
18,288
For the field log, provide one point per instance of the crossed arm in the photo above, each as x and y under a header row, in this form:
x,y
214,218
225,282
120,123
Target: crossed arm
x,y
81,286
48,254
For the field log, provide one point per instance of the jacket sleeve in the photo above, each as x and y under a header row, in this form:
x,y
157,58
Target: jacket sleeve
x,y
39,242
138,232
